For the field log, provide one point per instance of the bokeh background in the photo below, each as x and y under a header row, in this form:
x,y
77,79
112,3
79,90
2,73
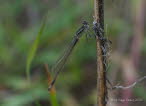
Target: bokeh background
x,y
20,23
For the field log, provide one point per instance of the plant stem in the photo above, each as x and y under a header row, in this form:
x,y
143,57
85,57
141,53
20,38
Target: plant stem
x,y
101,68
53,97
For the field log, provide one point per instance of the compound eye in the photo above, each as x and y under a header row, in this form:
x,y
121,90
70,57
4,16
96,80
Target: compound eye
x,y
85,23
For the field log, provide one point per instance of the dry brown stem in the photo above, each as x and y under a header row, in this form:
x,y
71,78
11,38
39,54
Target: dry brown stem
x,y
101,68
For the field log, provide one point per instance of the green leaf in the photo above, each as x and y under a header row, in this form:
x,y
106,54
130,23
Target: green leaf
x,y
31,56
33,49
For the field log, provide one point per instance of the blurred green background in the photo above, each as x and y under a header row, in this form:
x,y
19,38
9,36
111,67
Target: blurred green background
x,y
25,47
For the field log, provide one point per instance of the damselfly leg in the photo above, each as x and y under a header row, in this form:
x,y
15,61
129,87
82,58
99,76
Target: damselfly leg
x,y
105,43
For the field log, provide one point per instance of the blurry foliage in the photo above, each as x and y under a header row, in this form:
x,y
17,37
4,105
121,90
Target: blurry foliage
x,y
23,40
139,91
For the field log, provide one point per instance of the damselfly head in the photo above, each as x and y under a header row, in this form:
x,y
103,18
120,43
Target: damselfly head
x,y
85,23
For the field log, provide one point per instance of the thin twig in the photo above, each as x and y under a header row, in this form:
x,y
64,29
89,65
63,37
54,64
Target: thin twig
x,y
129,86
52,90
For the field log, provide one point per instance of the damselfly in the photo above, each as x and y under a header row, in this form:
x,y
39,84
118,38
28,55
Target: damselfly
x,y
61,62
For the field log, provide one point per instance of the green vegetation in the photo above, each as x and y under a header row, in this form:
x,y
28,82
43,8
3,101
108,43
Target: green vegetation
x,y
36,32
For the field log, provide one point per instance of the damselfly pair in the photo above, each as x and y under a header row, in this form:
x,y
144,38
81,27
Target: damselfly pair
x,y
83,29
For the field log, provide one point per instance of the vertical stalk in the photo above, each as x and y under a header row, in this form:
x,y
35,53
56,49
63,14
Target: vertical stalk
x,y
53,98
101,68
